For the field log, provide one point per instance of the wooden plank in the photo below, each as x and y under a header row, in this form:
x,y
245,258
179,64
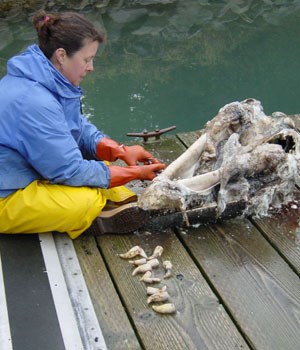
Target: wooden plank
x,y
259,289
167,149
283,231
89,328
200,321
188,138
114,323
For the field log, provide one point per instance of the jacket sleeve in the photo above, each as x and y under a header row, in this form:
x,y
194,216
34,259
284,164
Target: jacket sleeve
x,y
45,140
88,138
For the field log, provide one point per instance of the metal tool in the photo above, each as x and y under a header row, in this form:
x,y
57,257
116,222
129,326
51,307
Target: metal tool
x,y
148,134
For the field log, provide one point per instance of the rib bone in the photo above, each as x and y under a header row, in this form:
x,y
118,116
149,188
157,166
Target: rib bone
x,y
203,182
185,165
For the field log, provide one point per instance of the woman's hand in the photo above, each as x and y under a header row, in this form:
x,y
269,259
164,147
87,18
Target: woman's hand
x,y
108,149
137,154
121,175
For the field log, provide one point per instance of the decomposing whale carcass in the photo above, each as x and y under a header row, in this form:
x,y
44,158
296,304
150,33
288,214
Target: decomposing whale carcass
x,y
241,155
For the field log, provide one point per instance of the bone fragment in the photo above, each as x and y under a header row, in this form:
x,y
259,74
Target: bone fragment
x,y
138,262
146,276
156,253
142,269
133,252
158,297
148,279
153,290
203,182
154,263
168,308
168,268
185,165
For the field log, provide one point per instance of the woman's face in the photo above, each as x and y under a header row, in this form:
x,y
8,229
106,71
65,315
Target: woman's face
x,y
76,67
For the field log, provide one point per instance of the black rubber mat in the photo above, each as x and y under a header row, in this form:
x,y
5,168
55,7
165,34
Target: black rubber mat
x,y
32,315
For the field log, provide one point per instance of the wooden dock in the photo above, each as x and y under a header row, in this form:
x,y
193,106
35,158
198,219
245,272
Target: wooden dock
x,y
235,284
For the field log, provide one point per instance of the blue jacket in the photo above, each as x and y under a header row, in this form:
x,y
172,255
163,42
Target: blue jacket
x,y
43,134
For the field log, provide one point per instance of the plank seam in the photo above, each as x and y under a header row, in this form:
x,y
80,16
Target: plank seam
x,y
274,246
5,335
89,328
120,296
213,288
62,302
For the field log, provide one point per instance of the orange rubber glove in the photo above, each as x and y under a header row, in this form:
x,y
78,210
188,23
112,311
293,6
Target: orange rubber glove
x,y
121,175
108,149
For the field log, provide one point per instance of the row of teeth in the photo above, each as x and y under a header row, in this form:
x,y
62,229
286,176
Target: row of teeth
x,y
144,265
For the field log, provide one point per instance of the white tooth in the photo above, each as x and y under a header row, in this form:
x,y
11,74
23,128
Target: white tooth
x,y
154,263
146,275
147,278
156,253
134,251
142,269
158,297
152,290
151,280
167,264
168,308
138,262
168,268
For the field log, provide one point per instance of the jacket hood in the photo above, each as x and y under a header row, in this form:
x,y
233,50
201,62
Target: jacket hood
x,y
34,65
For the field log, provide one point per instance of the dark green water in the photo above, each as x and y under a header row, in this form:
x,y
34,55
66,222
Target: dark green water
x,y
174,66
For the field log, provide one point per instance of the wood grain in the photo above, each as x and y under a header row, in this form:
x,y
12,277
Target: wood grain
x,y
188,138
114,323
283,231
200,321
259,289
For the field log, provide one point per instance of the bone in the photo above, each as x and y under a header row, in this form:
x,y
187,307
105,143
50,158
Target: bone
x,y
158,297
138,262
148,279
260,167
146,276
203,182
185,165
133,252
168,268
153,262
153,290
168,308
142,269
156,253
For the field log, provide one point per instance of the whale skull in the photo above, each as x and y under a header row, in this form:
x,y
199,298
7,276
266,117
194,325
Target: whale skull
x,y
241,154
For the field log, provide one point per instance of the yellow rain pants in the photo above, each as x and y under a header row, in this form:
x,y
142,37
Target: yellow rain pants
x,y
45,207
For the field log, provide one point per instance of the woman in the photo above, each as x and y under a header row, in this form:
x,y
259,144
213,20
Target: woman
x,y
52,171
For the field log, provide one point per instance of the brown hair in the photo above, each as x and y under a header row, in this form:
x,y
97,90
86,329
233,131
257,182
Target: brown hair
x,y
67,30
